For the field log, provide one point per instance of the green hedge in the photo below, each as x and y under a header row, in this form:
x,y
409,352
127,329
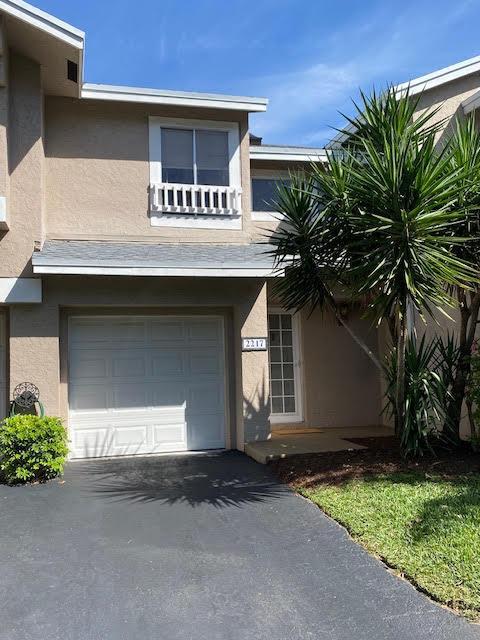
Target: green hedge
x,y
32,448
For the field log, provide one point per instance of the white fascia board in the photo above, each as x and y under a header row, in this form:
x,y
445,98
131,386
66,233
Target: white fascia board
x,y
440,77
289,154
44,22
176,98
203,272
20,290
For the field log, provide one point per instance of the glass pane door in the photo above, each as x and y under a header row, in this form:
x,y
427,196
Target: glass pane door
x,y
282,356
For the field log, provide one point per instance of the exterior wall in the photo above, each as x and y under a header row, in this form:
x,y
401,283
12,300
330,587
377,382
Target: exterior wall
x,y
38,344
25,168
97,171
342,388
448,99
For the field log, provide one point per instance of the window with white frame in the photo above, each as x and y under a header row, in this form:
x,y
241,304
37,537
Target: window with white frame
x,y
195,156
195,170
265,188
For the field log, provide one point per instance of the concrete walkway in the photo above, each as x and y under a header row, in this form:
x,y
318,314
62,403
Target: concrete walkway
x,y
206,547
285,443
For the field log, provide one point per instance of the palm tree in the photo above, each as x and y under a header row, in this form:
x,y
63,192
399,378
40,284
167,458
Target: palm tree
x,y
465,152
378,221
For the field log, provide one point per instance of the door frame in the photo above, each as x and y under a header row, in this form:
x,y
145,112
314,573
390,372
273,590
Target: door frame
x,y
298,416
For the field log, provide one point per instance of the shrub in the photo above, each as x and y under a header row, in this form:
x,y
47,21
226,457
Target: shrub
x,y
429,366
32,448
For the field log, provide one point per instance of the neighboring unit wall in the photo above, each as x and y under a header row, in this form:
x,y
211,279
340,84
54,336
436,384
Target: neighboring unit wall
x,y
98,171
447,99
342,386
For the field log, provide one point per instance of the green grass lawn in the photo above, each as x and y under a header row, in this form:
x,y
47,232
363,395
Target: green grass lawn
x,y
427,527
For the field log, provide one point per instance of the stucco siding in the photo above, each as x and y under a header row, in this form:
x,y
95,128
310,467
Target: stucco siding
x,y
26,168
446,100
38,338
97,171
342,387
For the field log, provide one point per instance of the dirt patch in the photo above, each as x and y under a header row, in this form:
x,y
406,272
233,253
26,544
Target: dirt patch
x,y
381,458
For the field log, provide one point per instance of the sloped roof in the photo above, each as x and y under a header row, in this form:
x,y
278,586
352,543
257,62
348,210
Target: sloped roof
x,y
134,258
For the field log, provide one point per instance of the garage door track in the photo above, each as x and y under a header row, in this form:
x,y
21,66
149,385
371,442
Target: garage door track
x,y
199,547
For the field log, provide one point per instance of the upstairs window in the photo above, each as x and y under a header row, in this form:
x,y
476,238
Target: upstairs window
x,y
195,173
195,156
265,193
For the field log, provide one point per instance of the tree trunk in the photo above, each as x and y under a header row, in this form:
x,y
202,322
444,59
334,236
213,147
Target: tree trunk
x,y
359,342
468,325
400,382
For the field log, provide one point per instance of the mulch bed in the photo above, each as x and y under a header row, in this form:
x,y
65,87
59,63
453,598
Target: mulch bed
x,y
382,457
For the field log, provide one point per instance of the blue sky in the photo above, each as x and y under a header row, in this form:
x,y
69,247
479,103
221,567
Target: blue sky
x,y
309,57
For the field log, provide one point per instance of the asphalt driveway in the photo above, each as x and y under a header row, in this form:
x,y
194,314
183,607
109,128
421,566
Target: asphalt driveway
x,y
193,547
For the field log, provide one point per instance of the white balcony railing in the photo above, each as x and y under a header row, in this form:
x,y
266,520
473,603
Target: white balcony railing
x,y
195,199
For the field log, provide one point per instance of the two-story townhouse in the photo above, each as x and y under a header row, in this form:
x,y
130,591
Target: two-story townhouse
x,y
135,285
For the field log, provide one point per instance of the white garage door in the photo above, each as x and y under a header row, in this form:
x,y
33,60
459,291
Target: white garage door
x,y
146,385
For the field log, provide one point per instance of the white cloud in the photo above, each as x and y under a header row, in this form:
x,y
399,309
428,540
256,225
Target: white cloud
x,y
298,94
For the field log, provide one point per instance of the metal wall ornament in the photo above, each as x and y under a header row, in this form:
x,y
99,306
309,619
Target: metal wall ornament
x,y
25,396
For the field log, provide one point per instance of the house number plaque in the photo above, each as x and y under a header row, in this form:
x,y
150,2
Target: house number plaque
x,y
254,344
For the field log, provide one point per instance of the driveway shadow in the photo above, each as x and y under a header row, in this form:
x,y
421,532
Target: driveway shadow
x,y
220,480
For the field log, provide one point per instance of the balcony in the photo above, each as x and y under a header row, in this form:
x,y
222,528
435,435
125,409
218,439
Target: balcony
x,y
195,199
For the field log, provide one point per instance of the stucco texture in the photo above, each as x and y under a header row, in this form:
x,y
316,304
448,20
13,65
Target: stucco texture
x,y
97,171
39,335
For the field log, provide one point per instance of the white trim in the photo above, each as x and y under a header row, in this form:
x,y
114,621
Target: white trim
x,y
20,290
289,154
440,77
178,98
204,272
298,416
231,223
44,22
192,221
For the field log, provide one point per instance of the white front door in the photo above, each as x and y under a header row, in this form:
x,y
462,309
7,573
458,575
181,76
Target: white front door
x,y
285,371
145,384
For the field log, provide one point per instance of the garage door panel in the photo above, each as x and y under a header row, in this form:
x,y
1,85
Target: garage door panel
x,y
168,394
147,385
130,436
129,396
128,332
205,431
201,330
202,361
170,435
204,397
132,366
88,397
168,363
86,332
91,442
89,363
166,331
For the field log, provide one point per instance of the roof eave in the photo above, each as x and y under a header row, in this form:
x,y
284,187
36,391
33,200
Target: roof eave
x,y
299,154
180,98
159,271
44,22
